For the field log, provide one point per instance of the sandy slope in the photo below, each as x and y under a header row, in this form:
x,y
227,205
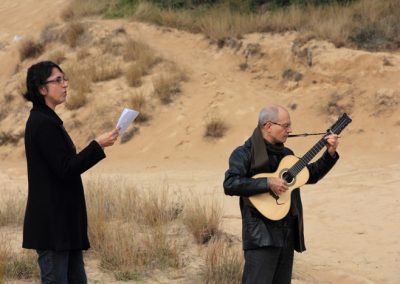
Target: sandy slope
x,y
351,216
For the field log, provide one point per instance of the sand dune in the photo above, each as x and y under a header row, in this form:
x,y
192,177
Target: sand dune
x,y
351,217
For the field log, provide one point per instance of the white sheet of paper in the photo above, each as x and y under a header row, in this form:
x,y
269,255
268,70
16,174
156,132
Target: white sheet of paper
x,y
126,118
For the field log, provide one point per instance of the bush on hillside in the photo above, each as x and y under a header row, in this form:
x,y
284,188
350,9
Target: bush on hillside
x,y
216,127
30,49
242,5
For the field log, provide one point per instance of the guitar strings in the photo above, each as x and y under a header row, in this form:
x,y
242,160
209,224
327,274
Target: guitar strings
x,y
301,163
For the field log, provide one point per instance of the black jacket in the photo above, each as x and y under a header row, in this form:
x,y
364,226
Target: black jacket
x,y
55,216
258,231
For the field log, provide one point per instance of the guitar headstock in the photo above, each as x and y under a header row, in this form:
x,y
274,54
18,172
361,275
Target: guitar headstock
x,y
340,124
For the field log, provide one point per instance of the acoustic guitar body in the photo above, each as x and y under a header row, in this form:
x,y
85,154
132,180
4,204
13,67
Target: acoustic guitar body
x,y
276,207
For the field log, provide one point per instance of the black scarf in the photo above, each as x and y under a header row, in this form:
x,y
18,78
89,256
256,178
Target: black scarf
x,y
260,148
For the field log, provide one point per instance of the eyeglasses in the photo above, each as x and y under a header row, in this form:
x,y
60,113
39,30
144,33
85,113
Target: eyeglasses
x,y
59,80
285,126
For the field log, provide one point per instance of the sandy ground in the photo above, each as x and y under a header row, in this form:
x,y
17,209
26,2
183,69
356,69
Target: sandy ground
x,y
351,217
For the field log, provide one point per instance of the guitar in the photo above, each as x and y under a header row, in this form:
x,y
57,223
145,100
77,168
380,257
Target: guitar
x,y
294,171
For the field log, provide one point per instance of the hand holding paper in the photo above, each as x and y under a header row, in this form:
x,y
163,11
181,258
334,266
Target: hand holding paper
x,y
126,118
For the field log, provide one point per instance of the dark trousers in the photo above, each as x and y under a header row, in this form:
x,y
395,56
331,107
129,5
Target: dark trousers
x,y
61,267
269,265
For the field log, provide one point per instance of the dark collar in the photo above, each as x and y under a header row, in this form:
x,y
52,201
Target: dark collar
x,y
48,111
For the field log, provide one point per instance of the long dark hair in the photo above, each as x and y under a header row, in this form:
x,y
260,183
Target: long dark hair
x,y
36,76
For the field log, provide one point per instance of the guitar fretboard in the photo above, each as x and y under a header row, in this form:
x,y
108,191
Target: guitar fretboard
x,y
336,128
303,161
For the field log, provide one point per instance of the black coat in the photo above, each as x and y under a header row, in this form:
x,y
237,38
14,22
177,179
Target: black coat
x,y
258,231
55,216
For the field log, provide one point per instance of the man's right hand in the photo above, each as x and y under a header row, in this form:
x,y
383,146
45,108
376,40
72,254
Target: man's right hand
x,y
277,185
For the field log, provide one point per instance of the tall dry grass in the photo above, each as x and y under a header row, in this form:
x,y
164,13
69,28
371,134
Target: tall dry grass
x,y
81,8
367,24
224,263
80,75
15,266
133,231
129,228
12,210
139,102
134,74
76,100
73,33
203,219
138,51
166,86
57,56
105,68
143,60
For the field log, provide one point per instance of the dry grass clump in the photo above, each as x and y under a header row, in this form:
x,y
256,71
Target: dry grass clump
x,y
75,100
171,18
12,210
51,33
292,75
82,53
166,86
374,25
7,138
134,74
20,88
385,101
67,14
80,76
224,263
134,50
144,59
158,208
104,69
30,49
146,11
73,33
139,102
339,103
138,51
13,266
129,134
216,127
202,219
109,46
81,8
129,251
168,83
222,23
57,56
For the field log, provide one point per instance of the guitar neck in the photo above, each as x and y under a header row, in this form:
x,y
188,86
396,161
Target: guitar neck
x,y
336,128
303,161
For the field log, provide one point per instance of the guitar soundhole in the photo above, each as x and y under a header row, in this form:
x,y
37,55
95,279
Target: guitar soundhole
x,y
287,177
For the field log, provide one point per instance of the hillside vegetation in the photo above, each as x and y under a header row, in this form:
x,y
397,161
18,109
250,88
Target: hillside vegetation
x,y
365,24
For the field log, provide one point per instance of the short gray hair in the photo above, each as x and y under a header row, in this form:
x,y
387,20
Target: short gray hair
x,y
269,113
